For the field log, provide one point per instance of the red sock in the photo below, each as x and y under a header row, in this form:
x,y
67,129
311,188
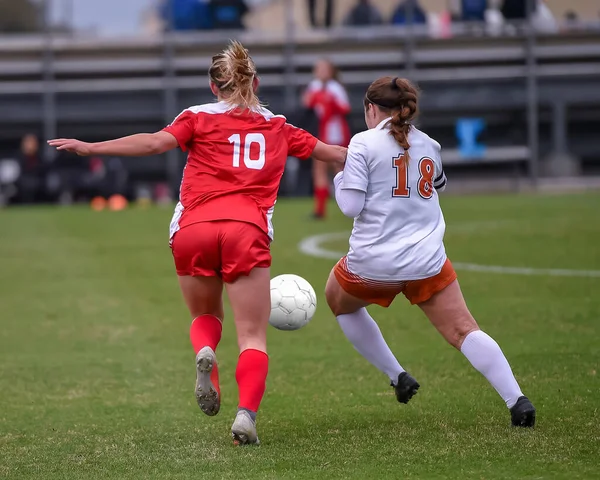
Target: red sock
x,y
251,376
206,331
321,196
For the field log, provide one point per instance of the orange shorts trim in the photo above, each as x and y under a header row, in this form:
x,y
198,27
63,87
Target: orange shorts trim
x,y
384,293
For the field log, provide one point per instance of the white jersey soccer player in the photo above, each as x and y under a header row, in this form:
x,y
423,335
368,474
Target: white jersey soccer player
x,y
390,187
400,230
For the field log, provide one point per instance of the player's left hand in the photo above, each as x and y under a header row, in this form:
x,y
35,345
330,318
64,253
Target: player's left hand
x,y
82,149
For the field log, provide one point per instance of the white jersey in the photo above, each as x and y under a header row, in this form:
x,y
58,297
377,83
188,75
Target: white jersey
x,y
399,233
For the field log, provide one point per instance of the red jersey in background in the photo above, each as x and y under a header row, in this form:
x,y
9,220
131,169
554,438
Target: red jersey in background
x,y
330,102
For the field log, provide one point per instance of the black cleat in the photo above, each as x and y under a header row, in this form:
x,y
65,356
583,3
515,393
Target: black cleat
x,y
405,388
522,414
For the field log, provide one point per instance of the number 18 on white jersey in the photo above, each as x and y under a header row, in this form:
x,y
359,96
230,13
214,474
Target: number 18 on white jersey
x,y
399,233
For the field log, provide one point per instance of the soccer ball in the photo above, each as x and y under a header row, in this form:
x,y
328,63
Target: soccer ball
x,y
293,302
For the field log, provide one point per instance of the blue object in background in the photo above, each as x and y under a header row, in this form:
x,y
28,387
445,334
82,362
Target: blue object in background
x,y
473,10
402,13
188,14
467,130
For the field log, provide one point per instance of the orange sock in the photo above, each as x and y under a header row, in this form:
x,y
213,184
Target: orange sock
x,y
321,196
251,376
206,331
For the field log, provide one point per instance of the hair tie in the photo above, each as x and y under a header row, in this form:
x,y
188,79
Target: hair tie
x,y
379,104
394,85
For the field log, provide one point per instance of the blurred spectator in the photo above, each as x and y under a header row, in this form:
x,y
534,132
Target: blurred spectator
x,y
181,15
571,16
495,24
364,14
407,10
543,20
71,178
473,10
571,20
312,12
327,97
20,16
514,9
31,180
228,14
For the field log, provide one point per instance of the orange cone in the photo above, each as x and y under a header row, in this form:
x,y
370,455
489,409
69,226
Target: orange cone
x,y
98,203
117,203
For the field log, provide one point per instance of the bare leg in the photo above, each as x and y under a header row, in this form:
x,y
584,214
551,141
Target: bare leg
x,y
340,302
203,295
250,300
448,312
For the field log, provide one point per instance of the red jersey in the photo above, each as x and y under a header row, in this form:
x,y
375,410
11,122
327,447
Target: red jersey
x,y
330,102
235,163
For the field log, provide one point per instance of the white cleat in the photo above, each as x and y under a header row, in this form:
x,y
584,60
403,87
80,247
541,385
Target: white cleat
x,y
206,393
243,430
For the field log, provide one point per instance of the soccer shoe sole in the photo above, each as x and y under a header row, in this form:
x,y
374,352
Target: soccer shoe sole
x,y
243,430
206,393
406,388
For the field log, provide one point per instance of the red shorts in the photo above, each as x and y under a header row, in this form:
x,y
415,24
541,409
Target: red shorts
x,y
384,293
225,248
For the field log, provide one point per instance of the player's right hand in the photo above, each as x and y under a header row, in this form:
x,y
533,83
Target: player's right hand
x,y
78,147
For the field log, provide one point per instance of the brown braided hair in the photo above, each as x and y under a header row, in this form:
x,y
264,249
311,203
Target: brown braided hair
x,y
398,97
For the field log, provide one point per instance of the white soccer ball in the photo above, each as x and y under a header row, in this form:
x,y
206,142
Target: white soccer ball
x,y
293,302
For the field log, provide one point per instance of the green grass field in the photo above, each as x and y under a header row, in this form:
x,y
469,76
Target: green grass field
x,y
97,374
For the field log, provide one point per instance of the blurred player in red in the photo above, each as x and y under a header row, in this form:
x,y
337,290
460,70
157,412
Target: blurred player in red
x,y
326,96
221,230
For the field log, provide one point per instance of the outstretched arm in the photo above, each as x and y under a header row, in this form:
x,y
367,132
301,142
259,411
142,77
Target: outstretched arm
x,y
329,153
139,145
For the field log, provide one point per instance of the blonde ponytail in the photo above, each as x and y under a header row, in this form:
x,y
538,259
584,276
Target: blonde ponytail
x,y
233,72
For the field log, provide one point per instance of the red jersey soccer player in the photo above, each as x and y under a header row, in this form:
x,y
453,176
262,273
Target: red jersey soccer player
x,y
221,229
327,97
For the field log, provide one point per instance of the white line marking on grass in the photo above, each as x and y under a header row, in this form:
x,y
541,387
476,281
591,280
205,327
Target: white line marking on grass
x,y
551,272
311,246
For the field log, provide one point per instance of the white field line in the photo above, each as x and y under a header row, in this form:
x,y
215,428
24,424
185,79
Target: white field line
x,y
311,246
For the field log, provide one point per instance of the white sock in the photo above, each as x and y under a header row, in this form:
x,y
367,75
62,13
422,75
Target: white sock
x,y
364,333
485,355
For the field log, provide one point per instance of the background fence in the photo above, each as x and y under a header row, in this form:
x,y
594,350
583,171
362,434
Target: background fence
x,y
533,96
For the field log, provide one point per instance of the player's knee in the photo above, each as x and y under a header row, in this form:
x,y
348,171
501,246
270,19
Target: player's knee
x,y
460,329
207,309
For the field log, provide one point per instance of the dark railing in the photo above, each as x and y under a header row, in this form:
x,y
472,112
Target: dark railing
x,y
53,66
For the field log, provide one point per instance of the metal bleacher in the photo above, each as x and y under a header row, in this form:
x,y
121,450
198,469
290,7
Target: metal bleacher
x,y
100,65
96,88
